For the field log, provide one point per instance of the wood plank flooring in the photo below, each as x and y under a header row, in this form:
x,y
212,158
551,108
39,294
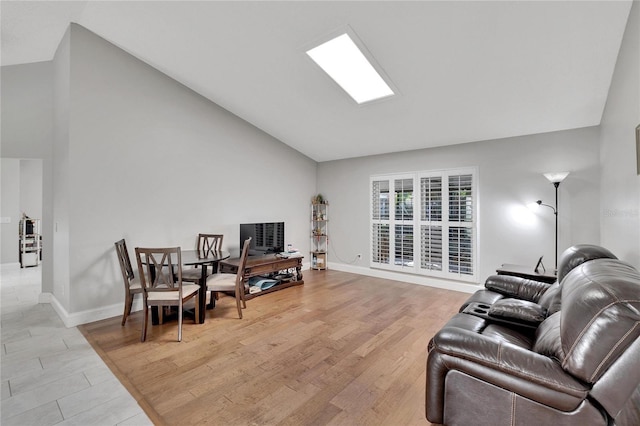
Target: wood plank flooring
x,y
343,349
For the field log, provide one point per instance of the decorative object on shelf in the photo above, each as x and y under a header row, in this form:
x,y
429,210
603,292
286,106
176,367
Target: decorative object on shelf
x,y
318,199
555,178
319,232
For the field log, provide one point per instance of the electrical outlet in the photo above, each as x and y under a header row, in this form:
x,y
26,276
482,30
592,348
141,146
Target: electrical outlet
x,y
359,256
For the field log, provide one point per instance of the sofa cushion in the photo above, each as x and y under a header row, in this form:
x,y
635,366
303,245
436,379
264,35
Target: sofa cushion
x,y
518,287
600,316
518,310
505,334
551,299
548,338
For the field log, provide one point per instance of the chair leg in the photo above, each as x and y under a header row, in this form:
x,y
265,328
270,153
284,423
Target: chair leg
x,y
238,305
180,322
197,317
143,337
213,296
127,308
244,299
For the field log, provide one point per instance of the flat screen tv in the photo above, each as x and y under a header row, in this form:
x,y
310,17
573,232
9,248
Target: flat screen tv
x,y
266,237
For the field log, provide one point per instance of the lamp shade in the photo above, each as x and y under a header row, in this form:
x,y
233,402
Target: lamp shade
x,y
556,177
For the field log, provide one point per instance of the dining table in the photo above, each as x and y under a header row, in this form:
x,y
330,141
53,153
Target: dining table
x,y
203,260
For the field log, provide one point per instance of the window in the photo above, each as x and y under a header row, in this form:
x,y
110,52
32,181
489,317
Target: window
x,y
425,223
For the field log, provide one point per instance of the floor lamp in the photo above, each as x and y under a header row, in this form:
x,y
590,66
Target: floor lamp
x,y
555,179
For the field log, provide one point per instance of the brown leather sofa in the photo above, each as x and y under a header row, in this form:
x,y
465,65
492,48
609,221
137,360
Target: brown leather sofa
x,y
498,287
579,365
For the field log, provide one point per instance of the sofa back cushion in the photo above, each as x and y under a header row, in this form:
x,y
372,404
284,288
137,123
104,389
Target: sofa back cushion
x,y
548,341
577,255
600,316
551,299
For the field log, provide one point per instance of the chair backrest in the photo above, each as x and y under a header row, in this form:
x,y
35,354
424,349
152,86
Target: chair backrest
x,y
242,264
160,269
599,317
209,242
125,262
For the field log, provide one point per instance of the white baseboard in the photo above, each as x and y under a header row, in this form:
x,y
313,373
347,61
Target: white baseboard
x,y
115,310
84,317
407,278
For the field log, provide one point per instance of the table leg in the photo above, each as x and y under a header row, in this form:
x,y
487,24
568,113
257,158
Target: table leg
x,y
299,272
202,295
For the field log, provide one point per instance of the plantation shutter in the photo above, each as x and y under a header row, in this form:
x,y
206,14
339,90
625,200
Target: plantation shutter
x,y
403,219
380,222
461,218
431,223
431,231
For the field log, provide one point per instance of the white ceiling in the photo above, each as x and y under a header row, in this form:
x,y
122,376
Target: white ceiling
x,y
466,71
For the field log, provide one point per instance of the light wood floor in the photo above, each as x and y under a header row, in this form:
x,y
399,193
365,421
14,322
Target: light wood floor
x,y
343,349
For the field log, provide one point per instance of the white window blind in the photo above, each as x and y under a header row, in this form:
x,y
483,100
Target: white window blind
x,y
380,222
428,226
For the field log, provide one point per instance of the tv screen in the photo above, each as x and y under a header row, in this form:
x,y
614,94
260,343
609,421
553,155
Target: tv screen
x,y
266,237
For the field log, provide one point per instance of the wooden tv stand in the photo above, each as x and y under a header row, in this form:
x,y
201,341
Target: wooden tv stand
x,y
263,265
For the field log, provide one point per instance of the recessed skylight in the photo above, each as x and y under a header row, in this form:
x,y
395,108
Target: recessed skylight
x,y
347,65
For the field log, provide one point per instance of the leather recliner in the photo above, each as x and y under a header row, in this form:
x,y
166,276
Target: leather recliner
x,y
580,366
498,287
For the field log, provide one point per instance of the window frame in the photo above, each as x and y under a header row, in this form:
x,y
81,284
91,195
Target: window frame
x,y
417,222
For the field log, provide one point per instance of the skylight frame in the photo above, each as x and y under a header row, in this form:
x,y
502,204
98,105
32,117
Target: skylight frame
x,y
365,53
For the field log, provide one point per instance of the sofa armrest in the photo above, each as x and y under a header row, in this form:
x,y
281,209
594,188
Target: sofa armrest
x,y
517,287
507,366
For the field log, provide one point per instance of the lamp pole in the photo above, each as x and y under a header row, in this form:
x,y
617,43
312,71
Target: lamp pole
x,y
555,179
555,212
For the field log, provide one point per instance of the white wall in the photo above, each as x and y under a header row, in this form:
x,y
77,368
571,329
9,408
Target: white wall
x,y
21,192
145,158
620,207
60,166
27,132
9,209
509,176
31,187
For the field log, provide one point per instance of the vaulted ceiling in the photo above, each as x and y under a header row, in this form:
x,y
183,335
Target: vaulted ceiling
x,y
465,71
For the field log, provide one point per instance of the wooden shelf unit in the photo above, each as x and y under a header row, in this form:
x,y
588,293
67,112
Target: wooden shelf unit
x,y
319,235
29,242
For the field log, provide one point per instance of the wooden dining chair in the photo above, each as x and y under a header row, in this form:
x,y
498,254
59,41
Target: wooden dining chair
x,y
160,270
233,283
206,243
132,284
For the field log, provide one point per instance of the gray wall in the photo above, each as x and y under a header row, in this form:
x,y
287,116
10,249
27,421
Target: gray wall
x,y
154,162
10,209
27,110
31,187
620,205
21,192
140,156
27,132
128,152
509,177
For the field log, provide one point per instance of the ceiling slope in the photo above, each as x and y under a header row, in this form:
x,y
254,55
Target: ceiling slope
x,y
465,71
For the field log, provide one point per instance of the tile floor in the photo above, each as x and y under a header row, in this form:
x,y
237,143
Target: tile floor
x,y
50,375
